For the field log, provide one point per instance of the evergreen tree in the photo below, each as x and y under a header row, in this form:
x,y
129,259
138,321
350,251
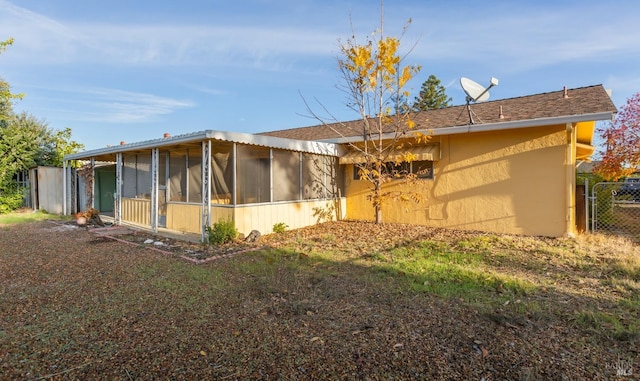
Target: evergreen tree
x,y
432,96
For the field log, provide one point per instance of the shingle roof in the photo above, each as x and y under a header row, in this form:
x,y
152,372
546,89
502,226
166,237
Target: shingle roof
x,y
579,101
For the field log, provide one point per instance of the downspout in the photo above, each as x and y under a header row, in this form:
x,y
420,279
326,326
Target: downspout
x,y
570,181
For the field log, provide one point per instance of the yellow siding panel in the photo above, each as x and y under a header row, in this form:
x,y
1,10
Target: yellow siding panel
x,y
184,217
219,214
136,210
294,214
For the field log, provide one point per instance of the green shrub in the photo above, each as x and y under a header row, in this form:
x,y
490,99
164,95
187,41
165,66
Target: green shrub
x,y
10,199
280,227
221,232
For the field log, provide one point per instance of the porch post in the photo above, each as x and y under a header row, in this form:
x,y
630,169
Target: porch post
x,y
73,189
206,188
586,204
154,189
64,187
117,198
93,182
270,174
570,164
300,161
235,175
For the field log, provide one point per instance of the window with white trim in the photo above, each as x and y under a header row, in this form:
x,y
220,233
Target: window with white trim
x,y
423,169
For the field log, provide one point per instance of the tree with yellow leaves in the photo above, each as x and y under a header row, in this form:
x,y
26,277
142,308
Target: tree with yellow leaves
x,y
375,80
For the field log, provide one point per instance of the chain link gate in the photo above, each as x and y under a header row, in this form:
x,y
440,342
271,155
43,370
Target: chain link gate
x,y
612,211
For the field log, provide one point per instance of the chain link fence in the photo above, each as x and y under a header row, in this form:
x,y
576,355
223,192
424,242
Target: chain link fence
x,y
614,208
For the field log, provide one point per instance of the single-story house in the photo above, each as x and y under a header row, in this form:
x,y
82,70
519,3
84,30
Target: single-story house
x,y
511,169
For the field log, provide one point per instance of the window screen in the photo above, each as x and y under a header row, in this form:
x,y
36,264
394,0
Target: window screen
x,y
195,175
143,176
178,176
286,175
136,176
129,176
253,174
334,178
313,176
222,173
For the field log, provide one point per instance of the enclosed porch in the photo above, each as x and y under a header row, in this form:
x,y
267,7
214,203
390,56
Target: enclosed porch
x,y
188,182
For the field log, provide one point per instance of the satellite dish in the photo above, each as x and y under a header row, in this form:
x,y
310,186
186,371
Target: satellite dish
x,y
476,92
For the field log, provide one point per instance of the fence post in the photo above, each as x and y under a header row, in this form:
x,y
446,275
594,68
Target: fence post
x,y
586,204
593,209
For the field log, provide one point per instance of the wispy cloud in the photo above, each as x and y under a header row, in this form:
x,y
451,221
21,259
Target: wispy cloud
x,y
41,40
530,36
119,106
208,90
105,105
521,36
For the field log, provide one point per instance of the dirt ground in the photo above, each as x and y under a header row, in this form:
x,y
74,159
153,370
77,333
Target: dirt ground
x,y
78,305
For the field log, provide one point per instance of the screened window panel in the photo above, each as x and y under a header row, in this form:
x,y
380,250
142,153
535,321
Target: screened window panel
x,y
286,175
222,173
253,174
195,176
162,169
313,173
129,176
335,177
143,176
178,176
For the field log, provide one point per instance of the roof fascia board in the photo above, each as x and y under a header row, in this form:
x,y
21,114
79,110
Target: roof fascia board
x,y
323,148
528,123
147,144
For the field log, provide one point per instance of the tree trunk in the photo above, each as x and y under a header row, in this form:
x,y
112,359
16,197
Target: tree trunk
x,y
378,195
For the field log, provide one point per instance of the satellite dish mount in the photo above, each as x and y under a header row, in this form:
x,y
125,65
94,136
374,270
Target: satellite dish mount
x,y
475,93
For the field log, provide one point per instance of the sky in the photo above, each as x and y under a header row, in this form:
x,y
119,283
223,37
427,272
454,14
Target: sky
x,y
130,71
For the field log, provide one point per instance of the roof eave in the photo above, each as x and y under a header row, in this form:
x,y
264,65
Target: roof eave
x,y
469,128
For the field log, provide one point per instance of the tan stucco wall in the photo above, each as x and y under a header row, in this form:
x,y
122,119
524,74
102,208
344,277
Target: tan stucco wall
x,y
513,181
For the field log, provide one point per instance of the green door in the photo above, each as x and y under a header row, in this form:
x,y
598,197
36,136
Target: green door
x,y
105,188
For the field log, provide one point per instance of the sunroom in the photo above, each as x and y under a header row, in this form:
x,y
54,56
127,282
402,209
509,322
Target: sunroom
x,y
187,182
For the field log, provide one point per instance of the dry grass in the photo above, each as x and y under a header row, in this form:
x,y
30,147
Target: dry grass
x,y
337,301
